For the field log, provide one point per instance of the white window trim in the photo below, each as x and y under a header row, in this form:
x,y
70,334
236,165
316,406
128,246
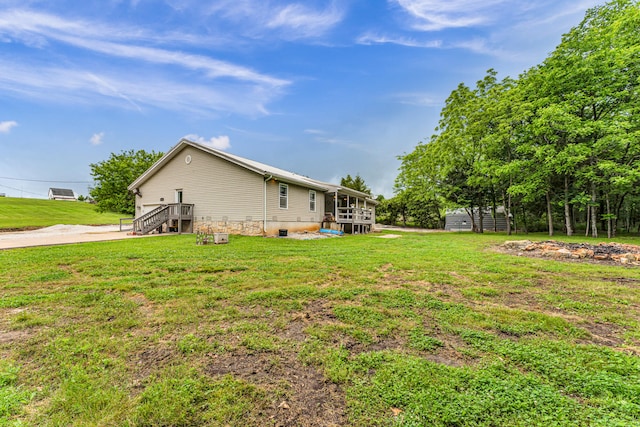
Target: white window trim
x,y
286,199
315,200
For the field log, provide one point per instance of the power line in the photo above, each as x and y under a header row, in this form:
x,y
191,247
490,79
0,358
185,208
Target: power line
x,y
48,181
21,190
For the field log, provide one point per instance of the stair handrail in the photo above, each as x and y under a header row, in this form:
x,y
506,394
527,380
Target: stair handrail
x,y
139,223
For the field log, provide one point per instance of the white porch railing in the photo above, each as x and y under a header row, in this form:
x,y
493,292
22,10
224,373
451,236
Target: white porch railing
x,y
354,216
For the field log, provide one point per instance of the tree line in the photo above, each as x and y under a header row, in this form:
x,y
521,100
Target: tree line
x,y
558,147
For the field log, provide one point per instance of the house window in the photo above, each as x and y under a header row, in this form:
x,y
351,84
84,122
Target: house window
x,y
312,200
284,196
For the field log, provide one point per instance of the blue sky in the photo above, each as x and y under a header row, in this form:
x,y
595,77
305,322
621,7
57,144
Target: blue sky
x,y
321,88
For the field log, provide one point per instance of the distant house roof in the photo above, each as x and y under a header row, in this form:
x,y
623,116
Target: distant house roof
x,y
252,165
61,193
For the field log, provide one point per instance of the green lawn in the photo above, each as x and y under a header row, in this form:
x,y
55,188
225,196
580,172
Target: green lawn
x,y
16,213
421,330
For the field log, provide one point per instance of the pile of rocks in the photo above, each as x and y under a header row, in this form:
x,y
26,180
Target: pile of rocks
x,y
614,252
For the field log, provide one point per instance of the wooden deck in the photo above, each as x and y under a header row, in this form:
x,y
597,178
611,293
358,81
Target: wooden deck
x,y
359,220
354,216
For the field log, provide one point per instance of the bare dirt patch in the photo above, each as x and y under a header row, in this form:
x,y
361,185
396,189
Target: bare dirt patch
x,y
10,337
146,307
318,310
605,334
301,396
294,331
450,353
150,360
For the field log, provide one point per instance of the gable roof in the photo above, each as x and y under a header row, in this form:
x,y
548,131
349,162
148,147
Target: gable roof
x,y
251,165
61,192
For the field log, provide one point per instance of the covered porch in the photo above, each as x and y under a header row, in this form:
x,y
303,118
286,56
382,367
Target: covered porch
x,y
349,211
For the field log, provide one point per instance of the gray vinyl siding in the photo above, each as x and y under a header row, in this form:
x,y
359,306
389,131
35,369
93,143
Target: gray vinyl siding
x,y
223,191
218,189
298,206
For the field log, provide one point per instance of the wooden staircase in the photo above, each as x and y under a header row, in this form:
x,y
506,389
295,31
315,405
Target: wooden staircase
x,y
173,214
151,220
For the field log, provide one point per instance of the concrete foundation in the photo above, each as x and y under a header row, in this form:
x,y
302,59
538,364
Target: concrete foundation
x,y
254,228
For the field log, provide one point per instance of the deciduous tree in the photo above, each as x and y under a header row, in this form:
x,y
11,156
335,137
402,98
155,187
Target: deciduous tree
x,y
112,177
565,134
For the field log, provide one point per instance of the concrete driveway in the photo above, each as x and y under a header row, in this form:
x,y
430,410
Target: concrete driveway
x,y
61,235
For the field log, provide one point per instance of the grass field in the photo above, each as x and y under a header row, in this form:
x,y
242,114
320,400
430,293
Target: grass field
x,y
16,213
422,330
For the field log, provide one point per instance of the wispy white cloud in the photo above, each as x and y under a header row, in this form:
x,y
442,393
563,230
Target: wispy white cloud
x,y
475,45
6,126
271,19
509,31
221,142
300,21
372,38
524,28
97,138
122,89
435,15
549,12
216,85
29,26
211,67
107,88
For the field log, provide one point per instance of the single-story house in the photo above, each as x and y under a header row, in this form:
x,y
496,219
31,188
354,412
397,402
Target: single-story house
x,y
61,194
194,187
459,220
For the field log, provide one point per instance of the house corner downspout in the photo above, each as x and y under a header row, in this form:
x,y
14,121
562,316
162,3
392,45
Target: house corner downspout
x,y
264,206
